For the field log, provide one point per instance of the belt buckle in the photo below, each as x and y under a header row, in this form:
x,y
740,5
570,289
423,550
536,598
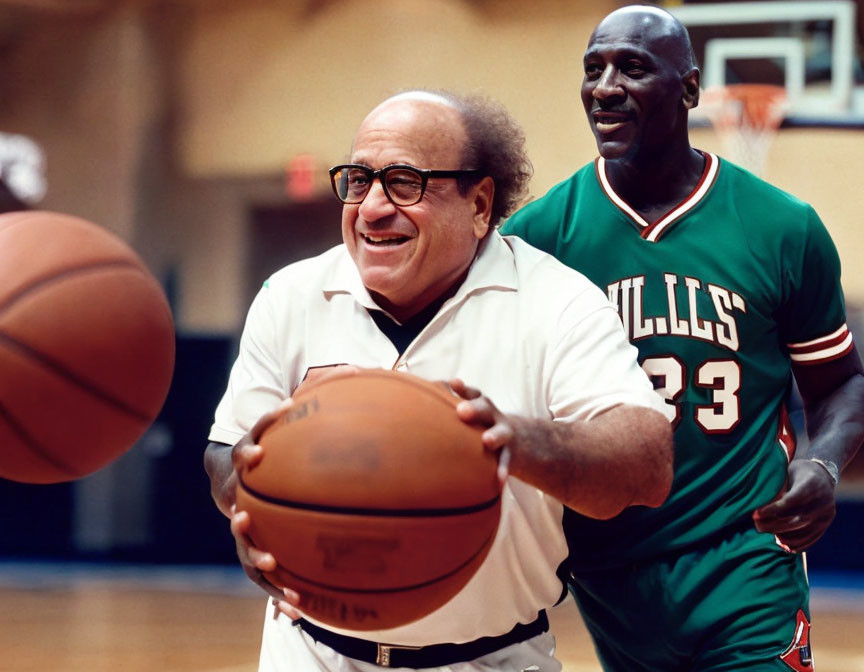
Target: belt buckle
x,y
383,657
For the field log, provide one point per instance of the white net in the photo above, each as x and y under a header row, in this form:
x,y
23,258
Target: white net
x,y
746,118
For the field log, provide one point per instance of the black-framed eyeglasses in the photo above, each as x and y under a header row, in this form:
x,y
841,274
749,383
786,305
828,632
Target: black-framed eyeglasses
x,y
403,184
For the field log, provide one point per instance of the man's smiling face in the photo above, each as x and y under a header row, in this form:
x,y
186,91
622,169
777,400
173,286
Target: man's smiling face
x,y
410,255
632,88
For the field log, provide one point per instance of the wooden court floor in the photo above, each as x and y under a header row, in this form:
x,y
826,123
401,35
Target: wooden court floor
x,y
127,626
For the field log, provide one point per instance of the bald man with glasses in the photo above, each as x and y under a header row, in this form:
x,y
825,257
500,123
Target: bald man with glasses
x,y
424,284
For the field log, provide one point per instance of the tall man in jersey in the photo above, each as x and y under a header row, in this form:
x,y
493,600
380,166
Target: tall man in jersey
x,y
728,287
423,283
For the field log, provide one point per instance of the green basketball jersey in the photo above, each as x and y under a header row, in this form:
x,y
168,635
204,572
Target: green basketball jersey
x,y
719,296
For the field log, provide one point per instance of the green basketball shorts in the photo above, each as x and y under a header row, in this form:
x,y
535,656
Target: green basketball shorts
x,y
737,603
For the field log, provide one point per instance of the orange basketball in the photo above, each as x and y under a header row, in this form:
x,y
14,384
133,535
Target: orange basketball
x,y
86,347
377,501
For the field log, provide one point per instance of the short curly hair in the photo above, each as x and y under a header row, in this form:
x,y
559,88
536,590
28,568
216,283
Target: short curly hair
x,y
495,148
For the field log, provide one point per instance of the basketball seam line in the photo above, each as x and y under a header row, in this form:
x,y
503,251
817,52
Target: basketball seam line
x,y
73,378
34,445
366,591
359,511
35,286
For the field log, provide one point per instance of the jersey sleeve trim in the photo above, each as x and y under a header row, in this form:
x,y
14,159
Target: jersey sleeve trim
x,y
822,349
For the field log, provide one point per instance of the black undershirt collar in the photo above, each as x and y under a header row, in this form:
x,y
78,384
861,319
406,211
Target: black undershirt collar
x,y
402,335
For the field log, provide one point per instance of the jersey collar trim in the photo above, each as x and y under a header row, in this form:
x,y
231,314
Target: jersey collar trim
x,y
653,230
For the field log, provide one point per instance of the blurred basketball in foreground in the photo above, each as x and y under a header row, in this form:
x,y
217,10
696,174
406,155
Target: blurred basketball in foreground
x,y
86,347
376,500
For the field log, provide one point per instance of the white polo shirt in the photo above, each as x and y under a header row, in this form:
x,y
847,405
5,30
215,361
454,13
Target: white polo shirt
x,y
534,336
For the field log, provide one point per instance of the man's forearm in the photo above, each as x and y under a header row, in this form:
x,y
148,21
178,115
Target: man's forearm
x,y
835,425
217,463
598,468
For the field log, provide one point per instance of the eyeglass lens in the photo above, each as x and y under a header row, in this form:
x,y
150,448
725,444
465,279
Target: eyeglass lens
x,y
404,186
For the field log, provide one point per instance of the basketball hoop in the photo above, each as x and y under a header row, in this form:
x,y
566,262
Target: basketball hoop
x,y
746,117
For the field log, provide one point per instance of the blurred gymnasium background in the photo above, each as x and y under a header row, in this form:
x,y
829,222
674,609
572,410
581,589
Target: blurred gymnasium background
x,y
201,130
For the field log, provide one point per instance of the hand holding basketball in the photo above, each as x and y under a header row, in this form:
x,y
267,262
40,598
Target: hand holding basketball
x,y
245,455
498,432
254,561
376,501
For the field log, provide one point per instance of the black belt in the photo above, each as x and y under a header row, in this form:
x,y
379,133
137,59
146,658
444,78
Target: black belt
x,y
418,657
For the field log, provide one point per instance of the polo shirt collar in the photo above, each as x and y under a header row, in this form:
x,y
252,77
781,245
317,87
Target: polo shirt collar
x,y
493,268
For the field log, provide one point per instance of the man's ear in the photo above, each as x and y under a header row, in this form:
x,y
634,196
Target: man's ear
x,y
484,194
690,89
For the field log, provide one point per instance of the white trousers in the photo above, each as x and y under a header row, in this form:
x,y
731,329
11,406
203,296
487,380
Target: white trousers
x,y
286,648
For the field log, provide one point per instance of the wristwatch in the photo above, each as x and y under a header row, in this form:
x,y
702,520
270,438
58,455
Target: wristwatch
x,y
828,466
